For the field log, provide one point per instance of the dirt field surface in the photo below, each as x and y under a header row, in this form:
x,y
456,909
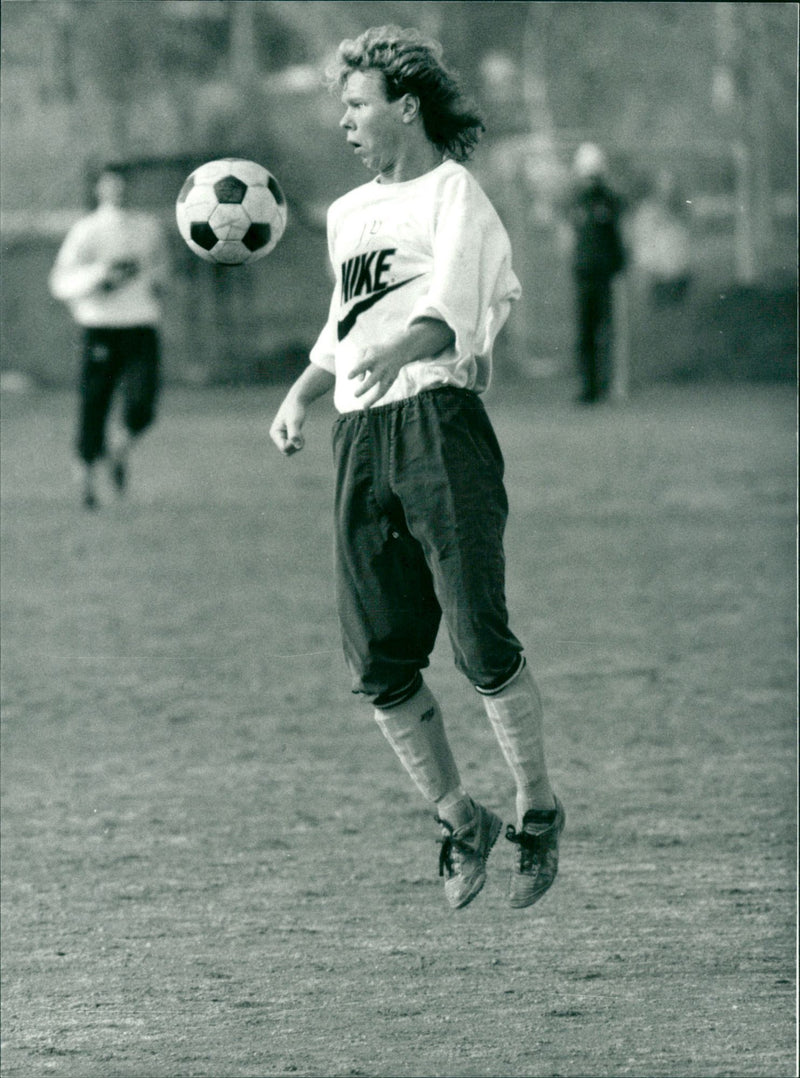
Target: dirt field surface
x,y
212,863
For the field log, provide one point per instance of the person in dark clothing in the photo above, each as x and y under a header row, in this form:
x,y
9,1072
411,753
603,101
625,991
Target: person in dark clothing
x,y
598,255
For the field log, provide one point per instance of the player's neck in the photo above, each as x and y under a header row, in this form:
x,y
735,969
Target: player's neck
x,y
413,160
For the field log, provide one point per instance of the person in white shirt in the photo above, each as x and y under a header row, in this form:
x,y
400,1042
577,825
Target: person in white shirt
x,y
423,284
110,271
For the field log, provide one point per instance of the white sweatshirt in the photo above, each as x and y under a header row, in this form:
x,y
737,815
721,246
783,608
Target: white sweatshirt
x,y
107,238
430,247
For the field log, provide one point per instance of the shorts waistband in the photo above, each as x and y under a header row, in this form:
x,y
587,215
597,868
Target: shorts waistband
x,y
362,414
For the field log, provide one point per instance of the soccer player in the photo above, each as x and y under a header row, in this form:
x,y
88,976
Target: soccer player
x,y
423,285
110,271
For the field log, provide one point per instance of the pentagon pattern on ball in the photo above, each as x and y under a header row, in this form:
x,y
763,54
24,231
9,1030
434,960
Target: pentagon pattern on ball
x,y
230,189
275,191
231,211
256,236
203,235
187,187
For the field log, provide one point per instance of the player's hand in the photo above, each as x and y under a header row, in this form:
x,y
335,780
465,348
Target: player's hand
x,y
119,273
376,371
286,429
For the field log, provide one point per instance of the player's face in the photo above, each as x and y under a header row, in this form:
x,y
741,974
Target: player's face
x,y
373,125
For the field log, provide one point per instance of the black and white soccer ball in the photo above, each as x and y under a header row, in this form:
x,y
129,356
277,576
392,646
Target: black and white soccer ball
x,y
231,211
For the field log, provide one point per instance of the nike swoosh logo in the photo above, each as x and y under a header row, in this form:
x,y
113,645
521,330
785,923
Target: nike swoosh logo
x,y
349,320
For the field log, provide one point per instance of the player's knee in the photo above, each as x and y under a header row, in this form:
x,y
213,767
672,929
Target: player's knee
x,y
139,417
494,685
397,695
89,446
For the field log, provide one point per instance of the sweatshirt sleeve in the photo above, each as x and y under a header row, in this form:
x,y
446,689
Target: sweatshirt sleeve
x,y
75,273
472,283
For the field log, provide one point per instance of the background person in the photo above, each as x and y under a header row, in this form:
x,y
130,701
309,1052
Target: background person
x,y
110,271
661,242
423,285
593,214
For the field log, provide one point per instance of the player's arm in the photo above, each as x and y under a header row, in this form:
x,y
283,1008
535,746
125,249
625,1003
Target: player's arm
x,y
380,364
79,272
75,273
471,284
287,426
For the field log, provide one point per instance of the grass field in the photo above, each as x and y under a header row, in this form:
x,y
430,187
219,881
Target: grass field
x,y
213,866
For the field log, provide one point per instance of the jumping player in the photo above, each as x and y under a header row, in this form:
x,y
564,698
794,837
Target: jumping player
x,y
110,271
423,285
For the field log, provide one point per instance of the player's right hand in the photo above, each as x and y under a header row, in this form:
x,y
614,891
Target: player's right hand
x,y
286,433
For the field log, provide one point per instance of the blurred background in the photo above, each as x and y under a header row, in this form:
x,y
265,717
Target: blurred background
x,y
694,104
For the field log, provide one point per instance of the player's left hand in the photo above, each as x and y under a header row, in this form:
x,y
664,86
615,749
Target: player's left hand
x,y
119,273
376,371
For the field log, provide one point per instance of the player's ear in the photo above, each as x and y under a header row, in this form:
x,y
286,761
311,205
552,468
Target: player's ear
x,y
411,109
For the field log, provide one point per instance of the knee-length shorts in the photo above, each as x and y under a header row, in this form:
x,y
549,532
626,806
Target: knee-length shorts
x,y
420,513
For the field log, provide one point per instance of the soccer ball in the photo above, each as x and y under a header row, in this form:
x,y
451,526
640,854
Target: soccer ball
x,y
231,211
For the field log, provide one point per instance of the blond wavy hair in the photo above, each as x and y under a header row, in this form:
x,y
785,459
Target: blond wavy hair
x,y
411,63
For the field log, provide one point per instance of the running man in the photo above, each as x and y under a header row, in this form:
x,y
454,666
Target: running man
x,y
111,271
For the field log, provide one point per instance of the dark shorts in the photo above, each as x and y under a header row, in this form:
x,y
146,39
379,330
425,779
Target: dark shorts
x,y
420,512
127,358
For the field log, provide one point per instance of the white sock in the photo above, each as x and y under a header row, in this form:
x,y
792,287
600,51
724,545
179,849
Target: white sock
x,y
119,441
84,474
516,717
415,731
457,807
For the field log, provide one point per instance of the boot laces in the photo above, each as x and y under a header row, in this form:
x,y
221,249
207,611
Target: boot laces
x,y
455,849
529,847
